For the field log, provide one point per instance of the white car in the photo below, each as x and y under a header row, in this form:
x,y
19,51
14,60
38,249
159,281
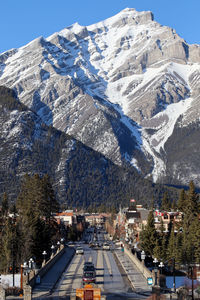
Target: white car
x,y
106,246
79,250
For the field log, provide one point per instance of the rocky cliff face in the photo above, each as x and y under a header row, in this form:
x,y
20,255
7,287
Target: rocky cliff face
x,y
119,86
80,176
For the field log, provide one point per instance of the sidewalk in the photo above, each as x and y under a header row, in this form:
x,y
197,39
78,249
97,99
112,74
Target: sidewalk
x,y
138,281
50,279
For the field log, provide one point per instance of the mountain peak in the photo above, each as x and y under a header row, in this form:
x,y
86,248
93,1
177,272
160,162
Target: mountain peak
x,y
98,82
132,13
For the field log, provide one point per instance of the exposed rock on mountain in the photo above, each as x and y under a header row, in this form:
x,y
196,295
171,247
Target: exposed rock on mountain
x,y
119,86
80,176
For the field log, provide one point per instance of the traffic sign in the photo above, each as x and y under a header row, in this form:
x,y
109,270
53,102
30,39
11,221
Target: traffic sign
x,y
149,280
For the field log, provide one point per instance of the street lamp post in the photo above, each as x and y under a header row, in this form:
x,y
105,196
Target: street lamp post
x,y
191,270
44,253
31,263
174,281
26,271
52,250
143,257
58,244
135,249
31,266
161,265
155,261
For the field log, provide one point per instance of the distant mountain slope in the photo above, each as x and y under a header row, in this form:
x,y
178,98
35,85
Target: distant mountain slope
x,y
80,176
118,86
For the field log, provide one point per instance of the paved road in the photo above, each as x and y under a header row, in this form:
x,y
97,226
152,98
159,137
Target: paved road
x,y
61,281
117,276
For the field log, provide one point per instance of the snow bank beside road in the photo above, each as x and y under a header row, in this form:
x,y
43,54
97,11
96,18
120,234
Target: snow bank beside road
x,y
7,280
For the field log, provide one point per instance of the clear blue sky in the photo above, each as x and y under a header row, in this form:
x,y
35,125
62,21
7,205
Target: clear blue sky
x,y
21,21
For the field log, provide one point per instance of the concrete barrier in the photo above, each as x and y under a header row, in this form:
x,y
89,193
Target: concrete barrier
x,y
141,267
41,272
2,293
27,292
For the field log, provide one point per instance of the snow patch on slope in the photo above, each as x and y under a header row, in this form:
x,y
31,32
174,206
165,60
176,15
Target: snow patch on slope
x,y
153,143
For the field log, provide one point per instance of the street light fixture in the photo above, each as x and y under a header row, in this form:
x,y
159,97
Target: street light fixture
x,y
25,266
174,276
155,261
135,249
143,256
31,263
26,270
190,268
52,249
161,265
58,244
44,253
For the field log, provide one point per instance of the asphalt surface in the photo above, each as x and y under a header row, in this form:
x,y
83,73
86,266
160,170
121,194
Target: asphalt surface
x,y
49,281
140,289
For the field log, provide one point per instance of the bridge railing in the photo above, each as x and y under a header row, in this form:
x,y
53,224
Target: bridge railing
x,y
35,275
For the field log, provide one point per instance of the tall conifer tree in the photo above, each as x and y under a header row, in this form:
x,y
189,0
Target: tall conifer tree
x,y
165,205
5,205
149,235
182,201
171,245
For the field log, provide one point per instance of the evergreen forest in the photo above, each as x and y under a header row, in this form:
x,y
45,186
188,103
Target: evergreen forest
x,y
181,242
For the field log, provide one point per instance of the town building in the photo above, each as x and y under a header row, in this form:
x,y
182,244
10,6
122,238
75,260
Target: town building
x,y
67,218
168,219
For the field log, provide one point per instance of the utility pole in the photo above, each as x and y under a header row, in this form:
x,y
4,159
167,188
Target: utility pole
x,y
13,260
174,278
191,268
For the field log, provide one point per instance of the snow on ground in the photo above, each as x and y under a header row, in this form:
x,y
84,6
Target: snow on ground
x,y
7,280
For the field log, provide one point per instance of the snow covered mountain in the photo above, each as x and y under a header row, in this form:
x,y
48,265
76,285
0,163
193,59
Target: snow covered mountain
x,y
127,87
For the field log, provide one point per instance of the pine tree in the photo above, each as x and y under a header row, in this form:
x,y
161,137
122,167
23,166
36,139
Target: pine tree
x,y
162,241
152,205
178,248
5,205
36,204
192,202
171,245
10,250
165,202
162,229
6,249
187,247
182,201
49,203
174,206
195,240
149,235
164,248
157,251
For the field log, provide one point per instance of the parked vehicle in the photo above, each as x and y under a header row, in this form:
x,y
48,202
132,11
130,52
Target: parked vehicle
x,y
79,250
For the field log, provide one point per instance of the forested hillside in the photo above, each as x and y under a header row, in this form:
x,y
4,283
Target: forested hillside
x,y
79,175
